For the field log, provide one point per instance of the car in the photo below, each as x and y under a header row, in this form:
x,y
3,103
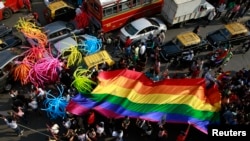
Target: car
x,y
141,28
9,41
58,30
184,42
234,33
5,30
7,59
59,11
60,46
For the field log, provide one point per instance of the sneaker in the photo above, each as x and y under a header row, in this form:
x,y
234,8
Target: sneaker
x,y
20,135
21,132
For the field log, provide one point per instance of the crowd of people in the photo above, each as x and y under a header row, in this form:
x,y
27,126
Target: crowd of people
x,y
233,9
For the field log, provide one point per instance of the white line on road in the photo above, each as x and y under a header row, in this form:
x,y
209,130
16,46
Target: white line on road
x,y
34,130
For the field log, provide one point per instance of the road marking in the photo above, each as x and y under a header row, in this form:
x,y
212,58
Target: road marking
x,y
34,130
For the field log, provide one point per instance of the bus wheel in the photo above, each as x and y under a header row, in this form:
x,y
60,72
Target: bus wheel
x,y
7,13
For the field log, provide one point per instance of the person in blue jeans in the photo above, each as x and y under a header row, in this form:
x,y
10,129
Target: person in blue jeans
x,y
13,125
127,47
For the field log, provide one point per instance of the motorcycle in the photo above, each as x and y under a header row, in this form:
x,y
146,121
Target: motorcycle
x,y
220,57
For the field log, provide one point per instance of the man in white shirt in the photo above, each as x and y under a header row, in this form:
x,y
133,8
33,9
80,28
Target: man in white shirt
x,y
78,10
119,136
55,129
13,125
100,129
142,50
67,124
82,136
220,9
33,104
41,92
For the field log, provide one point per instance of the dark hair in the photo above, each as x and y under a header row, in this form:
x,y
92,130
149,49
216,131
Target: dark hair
x,y
9,120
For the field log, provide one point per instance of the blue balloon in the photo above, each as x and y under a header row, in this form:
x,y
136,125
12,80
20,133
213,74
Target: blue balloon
x,y
90,45
93,46
55,106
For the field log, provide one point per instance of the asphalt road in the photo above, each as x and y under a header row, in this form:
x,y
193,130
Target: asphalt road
x,y
36,129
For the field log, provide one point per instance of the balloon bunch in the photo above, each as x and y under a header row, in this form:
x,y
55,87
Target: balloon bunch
x,y
82,81
24,25
55,106
21,71
82,20
92,45
31,56
32,32
74,58
35,53
45,70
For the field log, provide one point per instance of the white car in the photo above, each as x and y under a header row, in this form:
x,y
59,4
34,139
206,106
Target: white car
x,y
141,28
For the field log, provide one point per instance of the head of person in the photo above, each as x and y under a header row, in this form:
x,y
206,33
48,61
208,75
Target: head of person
x,y
9,119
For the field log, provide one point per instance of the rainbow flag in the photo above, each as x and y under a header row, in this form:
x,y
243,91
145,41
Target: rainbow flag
x,y
129,93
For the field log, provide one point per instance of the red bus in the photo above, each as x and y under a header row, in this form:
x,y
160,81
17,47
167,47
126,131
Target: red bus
x,y
109,15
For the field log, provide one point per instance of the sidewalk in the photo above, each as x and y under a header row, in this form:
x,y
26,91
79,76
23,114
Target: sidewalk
x,y
243,19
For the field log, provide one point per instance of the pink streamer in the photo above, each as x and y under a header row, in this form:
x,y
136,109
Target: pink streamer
x,y
45,71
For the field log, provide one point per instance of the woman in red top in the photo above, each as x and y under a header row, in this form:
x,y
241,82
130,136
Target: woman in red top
x,y
127,46
91,119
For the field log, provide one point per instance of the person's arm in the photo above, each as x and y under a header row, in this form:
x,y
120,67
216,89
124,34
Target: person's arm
x,y
6,121
186,132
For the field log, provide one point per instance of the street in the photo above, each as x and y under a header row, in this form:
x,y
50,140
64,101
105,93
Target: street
x,y
36,129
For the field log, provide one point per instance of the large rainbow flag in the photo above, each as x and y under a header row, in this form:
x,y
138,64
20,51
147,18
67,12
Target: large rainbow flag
x,y
129,93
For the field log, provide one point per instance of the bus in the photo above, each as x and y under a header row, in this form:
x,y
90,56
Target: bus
x,y
108,15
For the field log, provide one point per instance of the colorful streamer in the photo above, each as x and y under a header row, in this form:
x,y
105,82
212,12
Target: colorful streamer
x,y
32,32
127,92
33,54
45,70
82,81
92,45
55,105
21,71
74,56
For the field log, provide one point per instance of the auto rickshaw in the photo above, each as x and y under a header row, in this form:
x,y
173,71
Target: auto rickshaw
x,y
98,60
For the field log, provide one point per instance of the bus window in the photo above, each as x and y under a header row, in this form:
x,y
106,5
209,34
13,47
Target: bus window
x,y
146,1
124,6
136,2
109,10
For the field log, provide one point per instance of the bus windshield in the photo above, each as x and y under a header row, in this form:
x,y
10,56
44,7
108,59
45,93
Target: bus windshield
x,y
131,29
